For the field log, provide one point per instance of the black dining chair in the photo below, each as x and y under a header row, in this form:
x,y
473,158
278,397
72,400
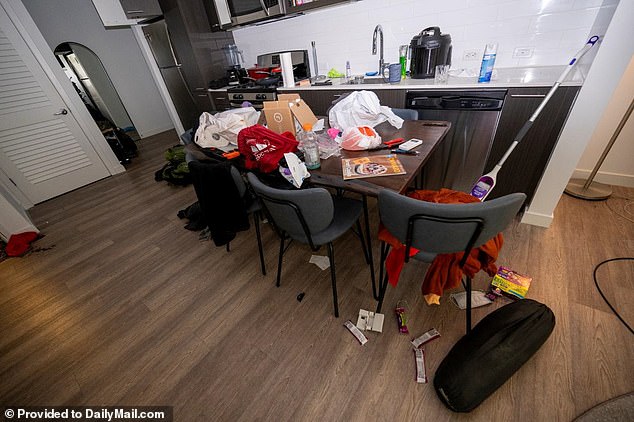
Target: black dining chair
x,y
310,216
435,228
406,113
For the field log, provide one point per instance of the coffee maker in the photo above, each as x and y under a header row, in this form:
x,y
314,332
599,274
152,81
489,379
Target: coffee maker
x,y
429,49
236,74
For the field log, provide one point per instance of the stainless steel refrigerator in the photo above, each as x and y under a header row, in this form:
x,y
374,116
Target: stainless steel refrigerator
x,y
158,38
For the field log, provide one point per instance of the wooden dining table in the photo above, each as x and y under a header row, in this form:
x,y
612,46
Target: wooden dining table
x,y
330,174
431,132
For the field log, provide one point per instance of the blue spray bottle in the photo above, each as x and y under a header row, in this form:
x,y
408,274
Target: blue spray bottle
x,y
488,60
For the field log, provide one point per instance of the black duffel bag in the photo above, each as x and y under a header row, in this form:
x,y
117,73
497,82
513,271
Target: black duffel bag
x,y
481,361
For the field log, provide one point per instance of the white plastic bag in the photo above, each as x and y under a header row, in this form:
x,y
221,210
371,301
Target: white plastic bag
x,y
361,108
221,129
360,138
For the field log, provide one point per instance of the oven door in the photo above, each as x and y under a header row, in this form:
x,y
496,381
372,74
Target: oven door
x,y
258,105
248,11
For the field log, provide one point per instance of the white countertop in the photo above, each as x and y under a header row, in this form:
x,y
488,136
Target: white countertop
x,y
543,76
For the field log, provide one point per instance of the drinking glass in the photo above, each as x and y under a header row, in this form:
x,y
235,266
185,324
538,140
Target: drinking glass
x,y
441,76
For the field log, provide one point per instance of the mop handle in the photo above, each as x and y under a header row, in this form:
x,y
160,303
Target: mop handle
x,y
520,135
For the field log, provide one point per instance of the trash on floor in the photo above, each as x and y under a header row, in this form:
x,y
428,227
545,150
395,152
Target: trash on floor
x,y
370,321
421,374
321,261
402,317
510,283
355,332
478,298
425,338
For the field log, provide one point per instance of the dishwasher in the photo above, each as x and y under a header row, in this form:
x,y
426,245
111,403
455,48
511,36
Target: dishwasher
x,y
459,160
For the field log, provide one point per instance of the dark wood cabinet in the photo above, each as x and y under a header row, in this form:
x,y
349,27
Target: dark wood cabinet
x,y
137,9
297,6
320,100
525,166
197,49
219,100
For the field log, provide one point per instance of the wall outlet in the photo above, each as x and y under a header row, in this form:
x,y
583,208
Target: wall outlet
x,y
471,55
523,52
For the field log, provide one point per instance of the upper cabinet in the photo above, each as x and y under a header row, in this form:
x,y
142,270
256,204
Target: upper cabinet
x,y
126,12
297,6
140,9
227,14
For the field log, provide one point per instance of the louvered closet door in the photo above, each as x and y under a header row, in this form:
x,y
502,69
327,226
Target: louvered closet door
x,y
42,148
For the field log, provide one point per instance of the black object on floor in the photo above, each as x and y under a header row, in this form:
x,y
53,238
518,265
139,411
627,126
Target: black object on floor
x,y
121,144
481,361
614,410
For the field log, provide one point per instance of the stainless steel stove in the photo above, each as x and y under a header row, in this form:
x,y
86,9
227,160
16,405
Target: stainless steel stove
x,y
252,93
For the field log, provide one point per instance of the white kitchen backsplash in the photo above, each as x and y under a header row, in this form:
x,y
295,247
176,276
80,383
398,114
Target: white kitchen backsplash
x,y
552,30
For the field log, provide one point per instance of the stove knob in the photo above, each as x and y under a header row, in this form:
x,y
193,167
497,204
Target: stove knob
x,y
238,96
260,97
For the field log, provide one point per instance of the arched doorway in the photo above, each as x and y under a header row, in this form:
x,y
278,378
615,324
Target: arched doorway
x,y
91,81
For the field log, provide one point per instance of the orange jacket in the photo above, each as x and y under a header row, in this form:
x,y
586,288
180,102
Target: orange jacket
x,y
444,272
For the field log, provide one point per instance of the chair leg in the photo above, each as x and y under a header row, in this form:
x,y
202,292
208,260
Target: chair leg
x,y
364,246
383,288
256,220
331,256
279,262
468,289
384,248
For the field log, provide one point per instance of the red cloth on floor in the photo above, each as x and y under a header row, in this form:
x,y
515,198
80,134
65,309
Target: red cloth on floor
x,y
19,243
444,273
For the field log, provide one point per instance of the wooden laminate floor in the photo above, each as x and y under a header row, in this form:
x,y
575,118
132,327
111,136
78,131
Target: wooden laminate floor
x,y
129,308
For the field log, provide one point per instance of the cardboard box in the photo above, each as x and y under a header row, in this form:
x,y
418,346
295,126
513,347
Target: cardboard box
x,y
279,117
299,108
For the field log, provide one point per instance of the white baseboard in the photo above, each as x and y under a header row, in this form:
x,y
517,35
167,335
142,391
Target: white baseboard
x,y
154,131
537,219
614,179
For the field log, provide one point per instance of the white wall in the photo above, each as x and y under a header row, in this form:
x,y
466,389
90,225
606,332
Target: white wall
x,y
13,219
77,21
618,167
607,70
556,29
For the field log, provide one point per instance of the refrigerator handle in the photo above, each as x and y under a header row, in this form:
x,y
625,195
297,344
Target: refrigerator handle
x,y
174,56
187,88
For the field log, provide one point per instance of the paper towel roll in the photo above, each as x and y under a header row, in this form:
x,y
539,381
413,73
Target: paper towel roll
x,y
286,63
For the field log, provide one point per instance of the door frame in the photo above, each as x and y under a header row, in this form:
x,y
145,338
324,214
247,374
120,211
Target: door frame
x,y
43,53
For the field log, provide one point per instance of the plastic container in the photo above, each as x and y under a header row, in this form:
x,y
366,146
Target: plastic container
x,y
310,147
488,61
402,58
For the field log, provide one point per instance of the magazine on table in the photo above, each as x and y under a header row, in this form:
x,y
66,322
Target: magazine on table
x,y
372,166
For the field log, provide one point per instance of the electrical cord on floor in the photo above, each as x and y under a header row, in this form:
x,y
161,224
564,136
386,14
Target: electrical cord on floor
x,y
596,283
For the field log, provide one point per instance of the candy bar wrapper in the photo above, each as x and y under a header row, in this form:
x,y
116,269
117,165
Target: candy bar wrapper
x,y
425,338
402,320
421,375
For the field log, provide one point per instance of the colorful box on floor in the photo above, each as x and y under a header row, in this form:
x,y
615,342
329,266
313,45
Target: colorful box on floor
x,y
511,283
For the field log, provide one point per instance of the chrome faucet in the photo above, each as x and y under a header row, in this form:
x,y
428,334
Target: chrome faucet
x,y
378,30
